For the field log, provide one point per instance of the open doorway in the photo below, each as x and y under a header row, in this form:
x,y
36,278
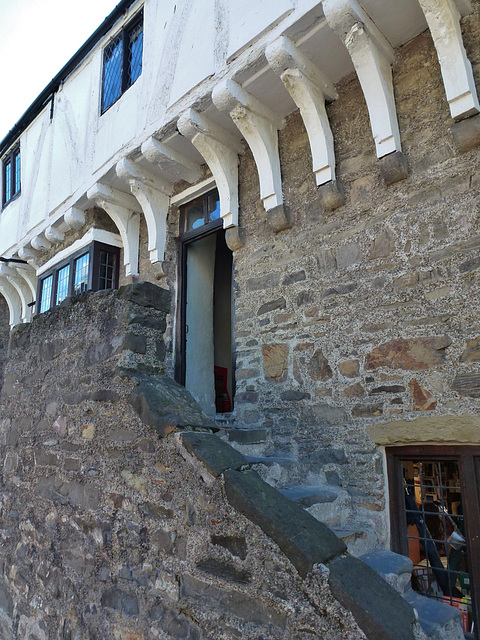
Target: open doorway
x,y
204,362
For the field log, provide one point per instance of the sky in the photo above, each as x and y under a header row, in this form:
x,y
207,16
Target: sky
x,y
37,38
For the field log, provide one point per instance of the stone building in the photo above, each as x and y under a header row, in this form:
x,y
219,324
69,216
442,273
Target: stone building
x,y
303,178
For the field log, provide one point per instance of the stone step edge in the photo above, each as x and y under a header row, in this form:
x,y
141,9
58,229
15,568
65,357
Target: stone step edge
x,y
378,609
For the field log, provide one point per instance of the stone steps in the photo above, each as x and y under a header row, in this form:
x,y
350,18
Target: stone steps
x,y
439,621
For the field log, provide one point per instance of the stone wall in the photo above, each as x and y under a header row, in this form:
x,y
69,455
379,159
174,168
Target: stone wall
x,y
368,313
108,531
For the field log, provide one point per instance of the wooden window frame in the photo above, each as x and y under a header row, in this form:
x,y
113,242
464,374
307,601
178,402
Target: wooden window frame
x,y
125,77
93,250
468,458
12,158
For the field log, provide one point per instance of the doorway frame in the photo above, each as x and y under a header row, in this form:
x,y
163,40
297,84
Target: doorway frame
x,y
184,239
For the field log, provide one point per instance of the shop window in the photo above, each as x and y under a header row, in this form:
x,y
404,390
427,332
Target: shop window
x,y
93,268
122,62
11,175
435,521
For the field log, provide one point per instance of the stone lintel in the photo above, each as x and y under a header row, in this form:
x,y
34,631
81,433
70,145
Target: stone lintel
x,y
331,195
466,134
279,218
393,167
451,429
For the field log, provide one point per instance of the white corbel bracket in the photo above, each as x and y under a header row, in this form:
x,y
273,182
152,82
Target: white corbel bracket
x,y
309,88
55,236
40,243
372,57
22,289
13,300
220,150
30,255
171,161
154,202
259,126
443,19
74,218
123,210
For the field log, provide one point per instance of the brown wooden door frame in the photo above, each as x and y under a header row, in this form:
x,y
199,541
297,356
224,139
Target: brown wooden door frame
x,y
468,458
181,307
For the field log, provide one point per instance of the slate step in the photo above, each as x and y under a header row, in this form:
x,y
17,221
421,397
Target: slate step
x,y
439,621
248,436
269,461
307,496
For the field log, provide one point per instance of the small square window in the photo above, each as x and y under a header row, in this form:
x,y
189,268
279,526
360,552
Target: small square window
x,y
11,175
122,62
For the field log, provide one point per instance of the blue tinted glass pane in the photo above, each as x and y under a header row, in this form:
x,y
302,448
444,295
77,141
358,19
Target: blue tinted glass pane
x,y
8,180
112,72
46,294
81,274
62,284
135,50
213,207
16,159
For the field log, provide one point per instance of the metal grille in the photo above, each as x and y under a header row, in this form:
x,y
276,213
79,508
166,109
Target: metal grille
x,y
135,51
436,532
46,295
81,274
112,72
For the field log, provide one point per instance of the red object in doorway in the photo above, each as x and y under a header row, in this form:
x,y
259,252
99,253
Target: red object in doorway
x,y
222,399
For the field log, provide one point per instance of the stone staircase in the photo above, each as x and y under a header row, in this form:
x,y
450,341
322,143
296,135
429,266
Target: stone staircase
x,y
282,468
332,505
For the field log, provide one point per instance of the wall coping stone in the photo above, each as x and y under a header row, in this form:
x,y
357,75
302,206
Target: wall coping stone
x,y
214,453
378,609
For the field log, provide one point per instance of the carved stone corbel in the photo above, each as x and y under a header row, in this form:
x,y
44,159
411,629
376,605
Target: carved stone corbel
x,y
55,236
74,218
372,56
443,19
123,210
220,150
171,161
154,202
259,126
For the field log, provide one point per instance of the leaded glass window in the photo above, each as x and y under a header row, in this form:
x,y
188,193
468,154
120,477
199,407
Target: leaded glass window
x,y
62,283
46,294
11,175
81,274
122,62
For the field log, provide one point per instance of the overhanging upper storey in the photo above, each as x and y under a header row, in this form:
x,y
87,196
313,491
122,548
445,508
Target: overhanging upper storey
x,y
163,89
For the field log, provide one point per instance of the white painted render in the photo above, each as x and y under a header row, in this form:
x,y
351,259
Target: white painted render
x,y
217,75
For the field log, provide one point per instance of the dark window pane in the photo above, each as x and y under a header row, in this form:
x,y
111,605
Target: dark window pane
x,y
81,274
106,270
112,72
46,295
435,529
195,217
62,284
135,50
213,207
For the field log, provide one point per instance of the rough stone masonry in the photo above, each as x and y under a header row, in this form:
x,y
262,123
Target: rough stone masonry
x,y
115,528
